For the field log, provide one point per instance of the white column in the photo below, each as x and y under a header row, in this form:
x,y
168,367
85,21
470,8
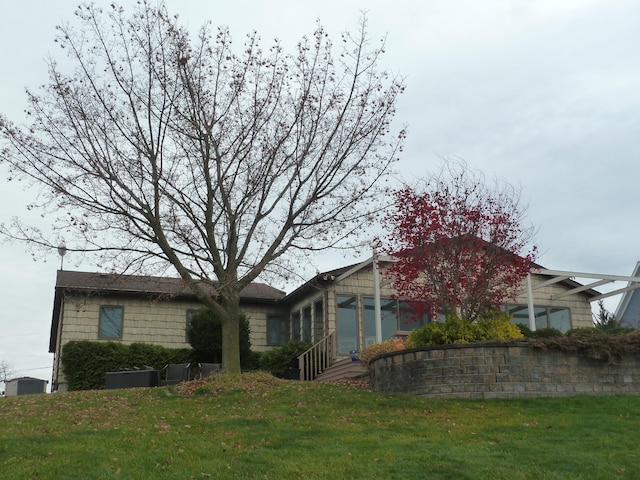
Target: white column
x,y
376,296
532,315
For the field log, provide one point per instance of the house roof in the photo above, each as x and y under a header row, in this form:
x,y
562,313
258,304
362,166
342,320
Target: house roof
x,y
321,280
87,283
106,283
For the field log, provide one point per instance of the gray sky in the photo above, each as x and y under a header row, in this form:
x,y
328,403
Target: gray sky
x,y
544,94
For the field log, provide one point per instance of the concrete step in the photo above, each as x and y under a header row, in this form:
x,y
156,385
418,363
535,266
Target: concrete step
x,y
342,369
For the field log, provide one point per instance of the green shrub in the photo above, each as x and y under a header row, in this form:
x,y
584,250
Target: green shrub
x,y
283,357
597,345
497,329
525,330
204,334
583,331
376,349
455,330
85,363
547,332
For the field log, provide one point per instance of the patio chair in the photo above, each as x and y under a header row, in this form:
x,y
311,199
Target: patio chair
x,y
207,369
174,373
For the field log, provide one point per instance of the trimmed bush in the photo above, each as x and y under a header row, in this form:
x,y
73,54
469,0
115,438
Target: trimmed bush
x,y
86,363
497,329
455,330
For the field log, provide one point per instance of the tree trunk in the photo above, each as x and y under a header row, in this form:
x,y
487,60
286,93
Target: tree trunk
x,y
230,302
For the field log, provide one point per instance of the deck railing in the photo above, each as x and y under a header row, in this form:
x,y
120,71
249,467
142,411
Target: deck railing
x,y
318,358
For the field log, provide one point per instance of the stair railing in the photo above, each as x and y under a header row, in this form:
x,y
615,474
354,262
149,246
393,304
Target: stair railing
x,y
318,358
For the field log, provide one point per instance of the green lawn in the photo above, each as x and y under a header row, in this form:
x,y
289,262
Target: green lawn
x,y
256,426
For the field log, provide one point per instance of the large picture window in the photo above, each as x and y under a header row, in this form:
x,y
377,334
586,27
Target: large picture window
x,y
110,322
394,316
388,318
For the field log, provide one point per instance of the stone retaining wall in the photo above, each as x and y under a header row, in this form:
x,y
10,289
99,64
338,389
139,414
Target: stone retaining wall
x,y
516,370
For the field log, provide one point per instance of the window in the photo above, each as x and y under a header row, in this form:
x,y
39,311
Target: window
x,y
295,326
110,322
408,320
276,329
545,317
388,318
394,316
306,324
347,324
318,319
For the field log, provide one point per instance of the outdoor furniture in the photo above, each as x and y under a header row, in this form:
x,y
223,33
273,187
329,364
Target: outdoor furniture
x,y
207,369
174,373
131,379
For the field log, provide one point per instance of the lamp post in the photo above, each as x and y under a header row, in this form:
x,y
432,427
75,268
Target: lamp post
x,y
62,250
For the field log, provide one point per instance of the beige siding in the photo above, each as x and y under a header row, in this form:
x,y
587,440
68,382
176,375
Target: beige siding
x,y
160,323
147,321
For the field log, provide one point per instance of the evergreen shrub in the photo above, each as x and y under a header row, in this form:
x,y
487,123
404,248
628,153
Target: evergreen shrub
x,y
281,358
85,363
204,334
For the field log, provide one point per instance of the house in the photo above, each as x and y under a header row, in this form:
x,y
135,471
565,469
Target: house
x,y
129,309
335,310
628,311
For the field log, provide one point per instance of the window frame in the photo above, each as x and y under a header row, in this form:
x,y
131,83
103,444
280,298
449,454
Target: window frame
x,y
542,312
282,328
102,312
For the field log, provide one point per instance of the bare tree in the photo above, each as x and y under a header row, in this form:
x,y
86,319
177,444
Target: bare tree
x,y
159,150
6,374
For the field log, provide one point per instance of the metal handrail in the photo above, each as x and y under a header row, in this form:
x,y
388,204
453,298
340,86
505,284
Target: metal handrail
x,y
318,358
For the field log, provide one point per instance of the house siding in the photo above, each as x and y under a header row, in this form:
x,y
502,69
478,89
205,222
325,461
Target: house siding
x,y
150,321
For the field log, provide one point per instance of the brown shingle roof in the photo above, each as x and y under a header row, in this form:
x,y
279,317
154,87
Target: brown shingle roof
x,y
114,284
131,284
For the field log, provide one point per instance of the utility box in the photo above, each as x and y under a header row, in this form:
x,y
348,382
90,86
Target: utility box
x,y
25,386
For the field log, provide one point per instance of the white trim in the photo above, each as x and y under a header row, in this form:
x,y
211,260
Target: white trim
x,y
601,279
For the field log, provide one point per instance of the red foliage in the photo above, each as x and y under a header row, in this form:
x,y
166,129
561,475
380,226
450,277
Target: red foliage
x,y
459,245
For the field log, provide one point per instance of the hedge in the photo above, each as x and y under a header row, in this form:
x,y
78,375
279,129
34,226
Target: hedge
x,y
86,363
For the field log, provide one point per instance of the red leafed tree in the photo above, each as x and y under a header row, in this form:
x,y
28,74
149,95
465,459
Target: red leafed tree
x,y
461,245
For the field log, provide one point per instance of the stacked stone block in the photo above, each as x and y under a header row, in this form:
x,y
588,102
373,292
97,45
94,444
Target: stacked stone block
x,y
502,371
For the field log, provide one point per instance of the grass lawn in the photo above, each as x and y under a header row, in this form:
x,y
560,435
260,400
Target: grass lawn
x,y
255,426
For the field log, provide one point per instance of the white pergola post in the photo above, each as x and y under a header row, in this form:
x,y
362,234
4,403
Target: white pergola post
x,y
376,296
532,315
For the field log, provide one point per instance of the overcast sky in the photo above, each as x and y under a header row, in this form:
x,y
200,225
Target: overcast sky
x,y
544,94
